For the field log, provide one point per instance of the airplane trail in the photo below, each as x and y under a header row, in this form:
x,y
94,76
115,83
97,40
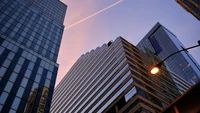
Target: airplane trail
x,y
84,19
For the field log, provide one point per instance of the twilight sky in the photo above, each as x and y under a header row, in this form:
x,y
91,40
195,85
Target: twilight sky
x,y
91,23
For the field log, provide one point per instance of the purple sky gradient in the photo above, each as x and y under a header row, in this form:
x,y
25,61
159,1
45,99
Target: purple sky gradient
x,y
131,19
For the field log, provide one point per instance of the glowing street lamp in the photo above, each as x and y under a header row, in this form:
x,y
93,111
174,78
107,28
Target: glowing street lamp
x,y
155,69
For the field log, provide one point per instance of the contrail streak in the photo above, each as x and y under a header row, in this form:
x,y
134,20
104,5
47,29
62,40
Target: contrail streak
x,y
93,14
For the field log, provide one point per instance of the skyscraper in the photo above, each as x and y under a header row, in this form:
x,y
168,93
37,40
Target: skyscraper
x,y
192,6
30,36
163,43
114,78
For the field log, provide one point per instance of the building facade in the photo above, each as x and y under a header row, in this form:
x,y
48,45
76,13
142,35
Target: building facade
x,y
114,78
30,36
164,43
191,6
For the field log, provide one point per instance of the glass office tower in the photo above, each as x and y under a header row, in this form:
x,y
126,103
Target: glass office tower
x,y
163,43
114,78
191,6
30,36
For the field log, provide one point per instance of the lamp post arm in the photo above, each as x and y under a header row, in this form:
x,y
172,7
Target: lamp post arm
x,y
181,51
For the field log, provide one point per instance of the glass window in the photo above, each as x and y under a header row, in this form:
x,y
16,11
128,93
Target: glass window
x,y
11,20
35,86
53,50
49,75
5,43
33,33
23,33
141,92
40,70
7,24
51,55
6,63
44,51
19,25
4,29
12,34
27,73
46,46
21,39
47,83
3,97
30,66
15,49
33,59
37,78
2,71
196,10
11,55
1,50
24,82
10,46
8,86
13,77
36,47
29,25
48,54
155,45
32,45
12,111
130,94
42,63
16,29
187,2
26,29
17,68
29,56
20,92
31,38
47,42
38,42
21,60
197,1
16,103
47,65
28,43
40,50
51,67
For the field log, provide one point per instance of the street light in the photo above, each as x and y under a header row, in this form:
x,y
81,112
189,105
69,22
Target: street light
x,y
155,69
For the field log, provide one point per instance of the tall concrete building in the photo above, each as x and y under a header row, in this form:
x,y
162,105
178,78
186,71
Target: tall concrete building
x,y
191,6
30,36
164,43
114,78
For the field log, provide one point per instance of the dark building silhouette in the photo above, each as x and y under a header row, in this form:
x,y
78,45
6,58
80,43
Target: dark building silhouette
x,y
191,6
186,103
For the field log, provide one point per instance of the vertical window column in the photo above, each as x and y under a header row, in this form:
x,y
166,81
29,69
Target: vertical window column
x,y
27,94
